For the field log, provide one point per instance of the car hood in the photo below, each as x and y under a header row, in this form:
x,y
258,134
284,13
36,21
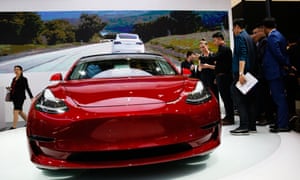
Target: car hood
x,y
125,91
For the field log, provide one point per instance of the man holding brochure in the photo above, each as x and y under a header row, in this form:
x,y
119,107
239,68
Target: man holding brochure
x,y
243,61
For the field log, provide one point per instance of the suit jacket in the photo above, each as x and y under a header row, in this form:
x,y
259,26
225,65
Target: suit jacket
x,y
275,57
244,49
19,87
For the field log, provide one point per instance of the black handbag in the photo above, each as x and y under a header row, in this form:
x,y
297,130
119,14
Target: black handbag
x,y
7,97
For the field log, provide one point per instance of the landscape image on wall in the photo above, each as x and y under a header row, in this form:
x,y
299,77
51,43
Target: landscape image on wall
x,y
167,32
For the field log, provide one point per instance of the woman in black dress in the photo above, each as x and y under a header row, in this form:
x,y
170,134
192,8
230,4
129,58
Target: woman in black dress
x,y
17,89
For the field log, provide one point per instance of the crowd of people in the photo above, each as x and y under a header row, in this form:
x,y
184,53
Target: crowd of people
x,y
264,53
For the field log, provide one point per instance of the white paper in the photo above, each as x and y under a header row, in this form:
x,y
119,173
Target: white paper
x,y
250,82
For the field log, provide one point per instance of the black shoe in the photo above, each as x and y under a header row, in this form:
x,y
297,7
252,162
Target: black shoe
x,y
11,128
273,126
293,118
239,132
277,130
227,121
262,122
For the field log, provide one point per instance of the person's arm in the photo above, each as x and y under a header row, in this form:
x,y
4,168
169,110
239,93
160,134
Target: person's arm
x,y
207,66
242,79
242,59
276,50
28,89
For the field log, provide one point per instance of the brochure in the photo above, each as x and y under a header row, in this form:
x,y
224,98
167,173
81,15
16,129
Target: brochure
x,y
250,83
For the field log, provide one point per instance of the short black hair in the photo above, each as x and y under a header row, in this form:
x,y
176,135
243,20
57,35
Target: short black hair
x,y
269,22
218,35
240,22
258,25
19,66
189,53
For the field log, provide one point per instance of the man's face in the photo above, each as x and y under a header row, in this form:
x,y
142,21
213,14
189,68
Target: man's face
x,y
193,57
258,33
216,41
235,30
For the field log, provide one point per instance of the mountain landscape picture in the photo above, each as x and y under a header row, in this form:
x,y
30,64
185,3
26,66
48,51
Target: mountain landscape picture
x,y
179,30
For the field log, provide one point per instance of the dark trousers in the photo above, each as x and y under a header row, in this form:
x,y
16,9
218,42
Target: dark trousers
x,y
291,83
247,107
207,77
224,83
279,97
266,105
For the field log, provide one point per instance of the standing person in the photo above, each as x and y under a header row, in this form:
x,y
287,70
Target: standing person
x,y
206,67
266,105
243,60
291,81
274,62
17,89
187,66
223,72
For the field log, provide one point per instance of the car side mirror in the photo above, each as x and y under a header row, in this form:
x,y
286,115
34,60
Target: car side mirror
x,y
56,77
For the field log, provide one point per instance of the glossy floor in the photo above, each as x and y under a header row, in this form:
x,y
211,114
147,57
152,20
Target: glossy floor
x,y
259,156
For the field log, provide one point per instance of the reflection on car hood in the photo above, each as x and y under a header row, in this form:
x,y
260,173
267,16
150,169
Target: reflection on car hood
x,y
125,91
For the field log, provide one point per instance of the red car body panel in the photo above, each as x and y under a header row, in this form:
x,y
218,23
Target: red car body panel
x,y
123,122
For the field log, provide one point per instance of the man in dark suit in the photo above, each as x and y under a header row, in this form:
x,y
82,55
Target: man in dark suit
x,y
266,106
275,63
223,71
244,57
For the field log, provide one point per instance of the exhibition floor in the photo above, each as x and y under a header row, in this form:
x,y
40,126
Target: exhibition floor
x,y
259,156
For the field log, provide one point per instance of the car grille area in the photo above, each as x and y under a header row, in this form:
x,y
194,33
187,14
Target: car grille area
x,y
124,155
44,155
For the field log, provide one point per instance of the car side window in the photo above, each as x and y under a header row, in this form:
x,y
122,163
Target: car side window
x,y
92,70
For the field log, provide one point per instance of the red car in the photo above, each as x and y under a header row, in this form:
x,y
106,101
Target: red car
x,y
118,110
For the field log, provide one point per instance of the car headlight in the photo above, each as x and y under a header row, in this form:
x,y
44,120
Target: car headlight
x,y
199,95
48,103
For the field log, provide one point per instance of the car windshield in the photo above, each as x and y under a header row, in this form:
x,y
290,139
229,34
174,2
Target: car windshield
x,y
127,36
127,67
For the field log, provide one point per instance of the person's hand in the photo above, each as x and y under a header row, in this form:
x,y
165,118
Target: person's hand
x,y
242,79
292,71
205,66
294,68
199,67
192,67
